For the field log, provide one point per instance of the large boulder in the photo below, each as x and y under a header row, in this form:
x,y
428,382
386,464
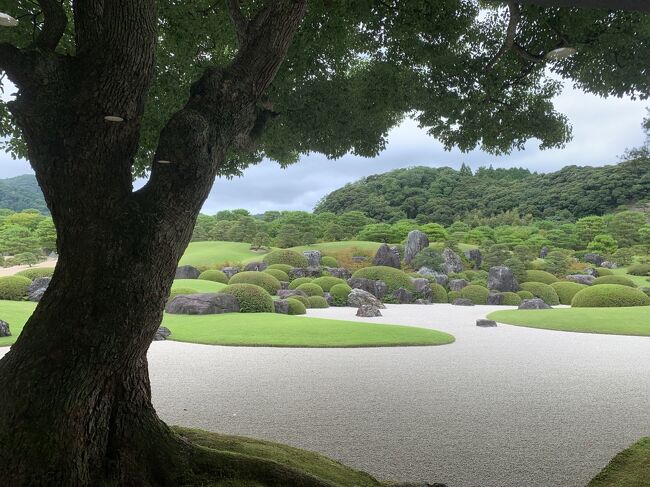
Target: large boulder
x,y
297,272
502,279
462,302
421,286
230,271
37,288
475,257
440,278
256,266
387,256
415,242
495,299
4,329
339,272
403,296
593,259
376,288
187,272
535,303
281,306
203,304
451,262
287,293
359,297
458,284
162,334
37,295
586,279
329,298
368,311
313,257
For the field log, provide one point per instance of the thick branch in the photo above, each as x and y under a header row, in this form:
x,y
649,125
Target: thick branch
x,y
53,26
15,63
238,20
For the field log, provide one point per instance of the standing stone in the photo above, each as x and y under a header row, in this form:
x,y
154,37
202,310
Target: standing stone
x,y
256,266
4,329
281,306
162,334
387,256
415,242
533,304
458,284
368,311
230,271
376,288
483,323
495,299
313,257
359,297
440,278
451,262
475,257
501,278
403,296
187,272
328,297
421,286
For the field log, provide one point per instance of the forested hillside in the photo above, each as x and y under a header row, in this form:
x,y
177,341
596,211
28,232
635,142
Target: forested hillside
x,y
444,195
20,193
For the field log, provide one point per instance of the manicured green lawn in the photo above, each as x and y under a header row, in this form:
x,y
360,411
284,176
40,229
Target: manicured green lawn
x,y
641,281
277,330
612,321
199,285
216,253
630,468
16,313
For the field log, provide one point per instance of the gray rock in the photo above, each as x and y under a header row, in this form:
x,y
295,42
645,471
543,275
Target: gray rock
x,y
486,323
535,303
187,272
416,484
297,272
440,278
462,302
53,255
287,293
256,266
451,262
203,304
387,256
230,271
37,295
39,283
313,257
328,297
403,296
458,284
359,297
4,329
593,259
591,271
281,306
608,265
495,299
543,252
421,286
415,242
501,278
368,311
162,334
284,285
339,272
376,288
581,278
475,257
422,301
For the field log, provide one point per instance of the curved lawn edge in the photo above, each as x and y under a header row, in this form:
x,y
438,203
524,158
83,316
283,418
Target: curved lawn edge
x,y
279,330
630,467
632,321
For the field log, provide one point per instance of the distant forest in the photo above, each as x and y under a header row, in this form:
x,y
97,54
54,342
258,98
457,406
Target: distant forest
x,y
21,193
445,195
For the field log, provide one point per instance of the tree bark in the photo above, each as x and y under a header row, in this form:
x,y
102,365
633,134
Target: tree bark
x,y
75,402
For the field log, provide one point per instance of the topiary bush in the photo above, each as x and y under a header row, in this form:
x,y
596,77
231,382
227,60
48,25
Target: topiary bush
x,y
566,290
328,261
252,298
296,307
453,296
326,282
266,281
297,282
542,291
438,293
14,288
302,299
609,295
525,294
310,289
214,275
477,294
285,256
540,276
604,271
340,293
36,272
511,299
638,270
317,302
281,267
278,274
394,278
620,280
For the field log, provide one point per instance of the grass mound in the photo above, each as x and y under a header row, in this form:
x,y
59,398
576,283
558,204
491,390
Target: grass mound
x,y
287,257
394,278
217,254
566,290
252,298
630,468
542,291
214,275
261,279
608,296
620,280
540,276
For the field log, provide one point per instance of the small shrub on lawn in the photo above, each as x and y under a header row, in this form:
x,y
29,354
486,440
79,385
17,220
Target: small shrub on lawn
x,y
394,278
477,294
604,271
609,295
296,307
299,281
453,296
328,261
261,279
252,298
438,293
326,282
278,274
281,267
302,299
14,288
310,289
511,299
636,270
214,275
340,293
36,272
525,294
540,276
317,302
620,280
542,291
566,290
288,257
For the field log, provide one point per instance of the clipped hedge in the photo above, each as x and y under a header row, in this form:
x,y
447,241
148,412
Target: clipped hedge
x,y
326,282
266,281
438,293
36,272
300,280
525,294
281,267
511,299
566,290
14,288
302,299
278,274
296,307
252,298
328,261
603,271
311,289
394,278
477,294
620,280
608,296
540,276
453,296
542,291
285,256
214,275
639,270
340,293
317,302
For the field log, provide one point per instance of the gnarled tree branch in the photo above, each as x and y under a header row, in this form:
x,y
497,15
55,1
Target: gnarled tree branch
x,y
54,24
16,63
238,20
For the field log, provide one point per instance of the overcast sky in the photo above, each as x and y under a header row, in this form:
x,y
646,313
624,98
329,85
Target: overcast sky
x,y
602,130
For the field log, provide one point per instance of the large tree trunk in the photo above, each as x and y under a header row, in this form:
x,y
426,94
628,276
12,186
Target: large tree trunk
x,y
75,401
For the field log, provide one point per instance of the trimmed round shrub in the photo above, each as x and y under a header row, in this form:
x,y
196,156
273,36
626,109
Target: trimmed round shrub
x,y
394,278
620,280
542,291
477,294
296,307
181,290
340,293
310,289
525,295
281,267
566,290
14,288
328,261
278,274
636,270
302,299
214,275
540,276
36,272
266,281
511,299
453,296
326,282
604,271
609,295
317,302
252,298
438,293
297,282
479,282
285,256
